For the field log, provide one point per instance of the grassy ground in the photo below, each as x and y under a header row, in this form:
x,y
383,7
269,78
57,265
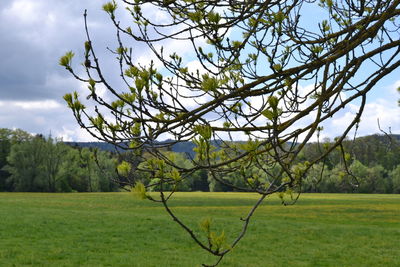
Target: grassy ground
x,y
113,229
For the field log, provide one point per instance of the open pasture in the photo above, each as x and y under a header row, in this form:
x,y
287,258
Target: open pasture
x,y
114,229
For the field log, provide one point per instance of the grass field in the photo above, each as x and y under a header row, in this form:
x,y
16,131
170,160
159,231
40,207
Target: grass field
x,y
114,229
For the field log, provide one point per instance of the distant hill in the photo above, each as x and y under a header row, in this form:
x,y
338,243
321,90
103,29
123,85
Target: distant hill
x,y
100,145
181,147
187,147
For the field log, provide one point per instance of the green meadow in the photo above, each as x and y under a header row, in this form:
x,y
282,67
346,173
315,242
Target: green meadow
x,y
115,229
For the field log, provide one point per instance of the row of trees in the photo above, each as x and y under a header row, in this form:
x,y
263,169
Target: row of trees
x,y
36,163
369,164
360,179
40,164
370,150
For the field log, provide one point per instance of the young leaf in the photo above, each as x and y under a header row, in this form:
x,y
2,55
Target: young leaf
x,y
268,114
124,168
110,7
65,60
205,225
139,191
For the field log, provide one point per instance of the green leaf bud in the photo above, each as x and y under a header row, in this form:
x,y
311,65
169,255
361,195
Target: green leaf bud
x,y
110,7
92,83
124,168
209,83
268,114
66,59
87,47
139,191
205,225
273,102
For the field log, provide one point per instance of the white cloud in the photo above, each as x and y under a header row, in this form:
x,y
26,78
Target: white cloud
x,y
32,105
385,109
42,117
69,134
387,112
41,105
23,11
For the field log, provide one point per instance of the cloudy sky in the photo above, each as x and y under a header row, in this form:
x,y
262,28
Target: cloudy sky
x,y
35,33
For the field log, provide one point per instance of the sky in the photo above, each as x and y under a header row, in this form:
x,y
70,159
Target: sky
x,y
34,34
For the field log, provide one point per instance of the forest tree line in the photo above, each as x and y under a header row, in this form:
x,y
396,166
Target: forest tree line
x,y
369,164
34,163
31,163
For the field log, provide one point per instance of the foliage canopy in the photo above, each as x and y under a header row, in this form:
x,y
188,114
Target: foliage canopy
x,y
267,70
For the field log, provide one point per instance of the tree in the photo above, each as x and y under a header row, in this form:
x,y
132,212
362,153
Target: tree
x,y
7,139
54,157
90,170
318,179
372,179
73,173
395,177
25,164
5,146
268,71
36,163
105,171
